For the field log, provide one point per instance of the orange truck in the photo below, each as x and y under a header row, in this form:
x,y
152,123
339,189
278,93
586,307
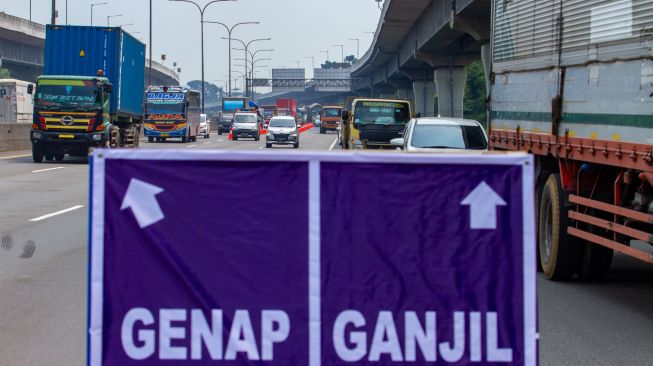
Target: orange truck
x,y
330,117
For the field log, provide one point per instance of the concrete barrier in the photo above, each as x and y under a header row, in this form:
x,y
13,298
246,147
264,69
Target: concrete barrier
x,y
14,136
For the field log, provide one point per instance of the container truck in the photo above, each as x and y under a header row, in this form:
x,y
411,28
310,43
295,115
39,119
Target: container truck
x,y
287,107
15,103
229,106
91,93
574,87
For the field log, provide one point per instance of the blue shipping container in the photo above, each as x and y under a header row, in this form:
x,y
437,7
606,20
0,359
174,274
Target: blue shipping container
x,y
82,51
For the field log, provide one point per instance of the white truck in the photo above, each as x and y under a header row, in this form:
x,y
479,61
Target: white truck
x,y
16,105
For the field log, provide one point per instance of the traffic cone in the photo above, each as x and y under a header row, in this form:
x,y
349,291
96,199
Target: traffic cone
x,y
231,135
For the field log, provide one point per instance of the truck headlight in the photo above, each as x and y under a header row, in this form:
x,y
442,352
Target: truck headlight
x,y
36,135
97,137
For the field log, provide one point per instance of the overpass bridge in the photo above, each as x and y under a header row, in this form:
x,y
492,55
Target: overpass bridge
x,y
22,45
420,49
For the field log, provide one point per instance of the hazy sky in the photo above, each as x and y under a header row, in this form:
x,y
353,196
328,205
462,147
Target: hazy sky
x,y
298,28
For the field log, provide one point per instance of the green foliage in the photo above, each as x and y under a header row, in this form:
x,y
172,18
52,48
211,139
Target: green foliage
x,y
4,73
475,93
350,59
330,65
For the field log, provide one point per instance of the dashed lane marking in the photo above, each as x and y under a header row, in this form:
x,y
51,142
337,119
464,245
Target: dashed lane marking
x,y
48,169
40,218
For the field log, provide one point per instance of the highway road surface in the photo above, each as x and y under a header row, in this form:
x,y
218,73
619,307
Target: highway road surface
x,y
43,271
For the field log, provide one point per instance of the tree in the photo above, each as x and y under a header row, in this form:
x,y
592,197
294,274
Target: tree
x,y
475,93
213,92
4,74
351,59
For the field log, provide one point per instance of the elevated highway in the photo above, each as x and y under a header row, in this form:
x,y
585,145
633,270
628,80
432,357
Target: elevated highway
x,y
420,49
21,51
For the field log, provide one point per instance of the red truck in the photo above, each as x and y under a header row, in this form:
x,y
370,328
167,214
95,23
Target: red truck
x,y
287,107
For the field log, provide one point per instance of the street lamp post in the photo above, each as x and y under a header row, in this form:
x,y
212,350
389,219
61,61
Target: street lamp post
x,y
53,21
229,30
342,50
112,16
246,47
92,5
202,10
358,46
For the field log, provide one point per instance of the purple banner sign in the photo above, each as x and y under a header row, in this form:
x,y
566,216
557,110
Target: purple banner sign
x,y
227,258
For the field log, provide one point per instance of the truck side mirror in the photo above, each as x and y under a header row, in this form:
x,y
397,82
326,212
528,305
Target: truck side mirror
x,y
345,114
30,89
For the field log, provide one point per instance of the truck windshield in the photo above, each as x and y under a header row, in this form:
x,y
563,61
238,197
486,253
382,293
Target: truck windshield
x,y
331,112
58,95
164,108
381,113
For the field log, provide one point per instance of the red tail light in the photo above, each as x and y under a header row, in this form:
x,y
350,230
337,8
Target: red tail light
x,y
42,123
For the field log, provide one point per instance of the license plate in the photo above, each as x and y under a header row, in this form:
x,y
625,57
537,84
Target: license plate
x,y
165,135
66,136
281,139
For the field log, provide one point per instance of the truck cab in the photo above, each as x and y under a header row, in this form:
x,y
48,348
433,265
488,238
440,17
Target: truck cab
x,y
71,115
373,123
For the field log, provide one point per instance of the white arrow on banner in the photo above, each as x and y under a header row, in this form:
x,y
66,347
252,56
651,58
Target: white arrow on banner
x,y
483,202
141,198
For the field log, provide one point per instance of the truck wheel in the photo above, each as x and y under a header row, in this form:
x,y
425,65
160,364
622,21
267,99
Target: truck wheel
x,y
322,130
37,153
59,157
559,251
219,132
49,156
184,139
150,139
595,262
234,138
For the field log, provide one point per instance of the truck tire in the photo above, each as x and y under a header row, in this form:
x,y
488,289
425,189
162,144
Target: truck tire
x,y
150,139
234,137
37,153
559,251
184,139
59,157
219,132
322,130
595,262
49,156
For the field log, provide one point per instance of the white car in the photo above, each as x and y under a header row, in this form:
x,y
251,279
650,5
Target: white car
x,y
437,134
282,131
205,126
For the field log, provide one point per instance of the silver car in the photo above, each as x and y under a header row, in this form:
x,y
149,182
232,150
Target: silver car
x,y
436,134
245,125
282,131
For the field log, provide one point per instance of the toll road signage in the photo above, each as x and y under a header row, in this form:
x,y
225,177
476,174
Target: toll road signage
x,y
226,258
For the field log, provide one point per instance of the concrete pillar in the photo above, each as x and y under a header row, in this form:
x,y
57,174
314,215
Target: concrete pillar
x,y
450,83
424,98
405,93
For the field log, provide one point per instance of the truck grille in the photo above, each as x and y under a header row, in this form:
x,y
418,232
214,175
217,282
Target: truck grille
x,y
68,121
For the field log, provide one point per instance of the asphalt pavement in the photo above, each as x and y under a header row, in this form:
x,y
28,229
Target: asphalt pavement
x,y
43,272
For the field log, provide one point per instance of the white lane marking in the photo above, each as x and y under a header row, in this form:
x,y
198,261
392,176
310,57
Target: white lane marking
x,y
45,170
15,156
333,144
261,147
190,146
206,143
220,140
56,213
